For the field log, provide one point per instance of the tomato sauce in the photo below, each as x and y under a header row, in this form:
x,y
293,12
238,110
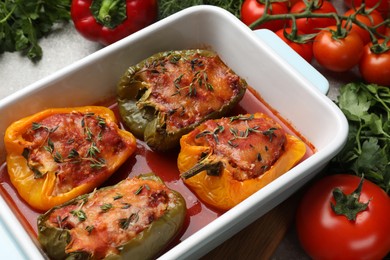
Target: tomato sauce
x,y
163,164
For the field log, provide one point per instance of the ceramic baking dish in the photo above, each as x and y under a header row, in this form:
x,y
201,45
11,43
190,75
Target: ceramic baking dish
x,y
285,81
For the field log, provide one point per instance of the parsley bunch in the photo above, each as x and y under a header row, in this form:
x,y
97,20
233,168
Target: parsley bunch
x,y
23,22
367,151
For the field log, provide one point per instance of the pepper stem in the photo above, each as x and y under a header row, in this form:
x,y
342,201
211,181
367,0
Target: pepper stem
x,y
213,169
349,205
109,13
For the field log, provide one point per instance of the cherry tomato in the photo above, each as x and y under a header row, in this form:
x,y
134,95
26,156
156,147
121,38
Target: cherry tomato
x,y
292,2
313,25
335,53
252,10
324,234
303,48
370,19
375,68
383,6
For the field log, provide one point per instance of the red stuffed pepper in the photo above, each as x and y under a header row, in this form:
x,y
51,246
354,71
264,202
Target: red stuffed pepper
x,y
107,21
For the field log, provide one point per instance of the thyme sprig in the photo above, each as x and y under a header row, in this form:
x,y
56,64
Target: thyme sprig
x,y
214,133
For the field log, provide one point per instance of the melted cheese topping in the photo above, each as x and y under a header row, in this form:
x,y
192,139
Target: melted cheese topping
x,y
248,146
110,217
76,146
189,88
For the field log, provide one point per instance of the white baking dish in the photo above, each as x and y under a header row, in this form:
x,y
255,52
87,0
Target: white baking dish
x,y
285,81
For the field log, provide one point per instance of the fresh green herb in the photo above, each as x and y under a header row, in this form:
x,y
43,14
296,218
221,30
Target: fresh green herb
x,y
89,229
50,146
217,130
36,126
23,23
138,191
125,222
80,214
367,151
118,196
58,157
270,133
106,207
125,205
168,7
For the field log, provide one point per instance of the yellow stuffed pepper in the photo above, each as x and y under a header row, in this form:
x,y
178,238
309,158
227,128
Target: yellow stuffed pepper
x,y
60,153
225,161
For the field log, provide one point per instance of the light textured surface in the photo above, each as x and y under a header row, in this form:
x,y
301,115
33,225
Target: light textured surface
x,y
61,48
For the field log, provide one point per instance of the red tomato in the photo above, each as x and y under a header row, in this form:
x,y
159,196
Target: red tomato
x,y
375,68
313,25
337,54
325,235
383,6
370,19
292,2
252,10
305,49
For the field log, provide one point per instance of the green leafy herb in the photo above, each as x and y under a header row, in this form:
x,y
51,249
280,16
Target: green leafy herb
x,y
367,151
168,7
23,23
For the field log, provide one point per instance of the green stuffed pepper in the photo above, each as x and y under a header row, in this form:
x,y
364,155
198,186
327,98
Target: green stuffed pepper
x,y
167,95
134,219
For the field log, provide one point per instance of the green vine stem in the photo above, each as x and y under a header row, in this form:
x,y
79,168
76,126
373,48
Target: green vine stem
x,y
307,13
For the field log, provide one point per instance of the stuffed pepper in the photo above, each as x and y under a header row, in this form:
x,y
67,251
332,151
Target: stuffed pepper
x,y
60,153
169,94
134,219
224,161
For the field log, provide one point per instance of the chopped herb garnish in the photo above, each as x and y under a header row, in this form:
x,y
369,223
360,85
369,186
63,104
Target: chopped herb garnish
x,y
125,205
138,191
36,126
214,133
80,214
98,163
73,154
118,196
93,149
89,229
125,222
106,207
270,133
58,157
50,146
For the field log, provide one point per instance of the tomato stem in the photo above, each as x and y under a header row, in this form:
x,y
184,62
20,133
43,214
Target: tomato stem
x,y
349,205
308,13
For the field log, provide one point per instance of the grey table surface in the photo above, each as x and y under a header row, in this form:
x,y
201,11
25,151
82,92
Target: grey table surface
x,y
65,46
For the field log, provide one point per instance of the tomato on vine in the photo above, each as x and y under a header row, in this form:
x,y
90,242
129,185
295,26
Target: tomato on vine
x,y
300,43
344,216
336,49
368,17
252,10
374,65
314,24
382,6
